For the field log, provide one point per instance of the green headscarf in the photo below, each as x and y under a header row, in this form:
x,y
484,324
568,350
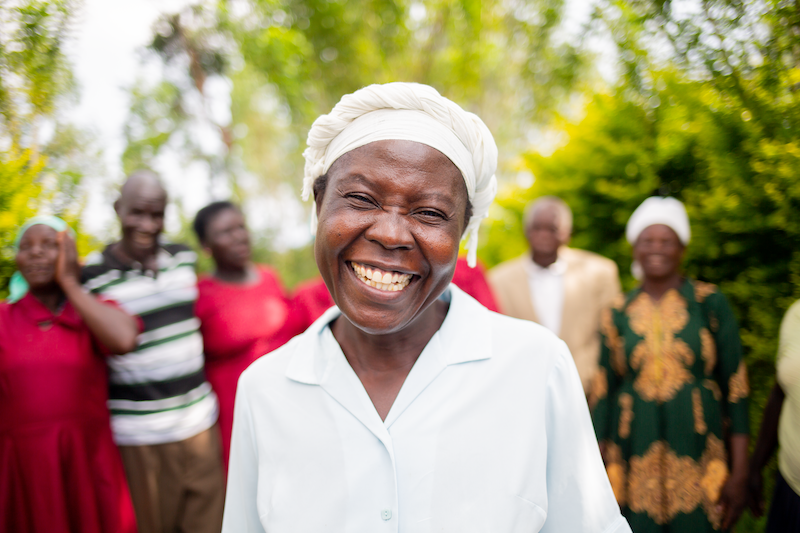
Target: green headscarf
x,y
18,287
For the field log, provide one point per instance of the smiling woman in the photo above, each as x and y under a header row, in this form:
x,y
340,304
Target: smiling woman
x,y
409,406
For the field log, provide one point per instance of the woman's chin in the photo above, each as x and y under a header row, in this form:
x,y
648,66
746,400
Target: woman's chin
x,y
659,274
386,318
375,321
42,283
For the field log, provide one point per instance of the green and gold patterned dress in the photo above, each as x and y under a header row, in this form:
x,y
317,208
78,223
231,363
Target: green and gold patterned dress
x,y
671,384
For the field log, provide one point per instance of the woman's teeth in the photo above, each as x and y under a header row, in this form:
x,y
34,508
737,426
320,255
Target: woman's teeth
x,y
385,281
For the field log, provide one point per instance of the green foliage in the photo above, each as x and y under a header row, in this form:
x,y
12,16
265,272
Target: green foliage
x,y
32,65
35,83
716,123
18,178
503,60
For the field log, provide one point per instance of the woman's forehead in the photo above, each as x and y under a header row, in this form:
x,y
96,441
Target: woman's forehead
x,y
399,159
661,231
39,231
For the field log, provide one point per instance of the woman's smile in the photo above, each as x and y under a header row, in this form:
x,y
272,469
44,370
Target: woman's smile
x,y
383,280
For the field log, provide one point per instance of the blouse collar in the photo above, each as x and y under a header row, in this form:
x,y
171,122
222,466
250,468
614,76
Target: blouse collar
x,y
464,336
36,312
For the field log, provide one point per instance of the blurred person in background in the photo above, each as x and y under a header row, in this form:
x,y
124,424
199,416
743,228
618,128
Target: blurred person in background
x,y
163,410
60,468
781,426
671,391
311,298
561,288
242,307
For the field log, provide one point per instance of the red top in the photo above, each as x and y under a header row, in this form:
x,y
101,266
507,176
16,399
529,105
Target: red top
x,y
473,282
312,298
61,471
239,323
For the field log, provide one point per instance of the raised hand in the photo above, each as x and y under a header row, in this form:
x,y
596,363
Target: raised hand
x,y
67,268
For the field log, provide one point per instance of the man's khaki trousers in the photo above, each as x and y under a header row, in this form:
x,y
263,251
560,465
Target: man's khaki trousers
x,y
177,487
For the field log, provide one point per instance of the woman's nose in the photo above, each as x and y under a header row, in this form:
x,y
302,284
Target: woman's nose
x,y
391,230
242,235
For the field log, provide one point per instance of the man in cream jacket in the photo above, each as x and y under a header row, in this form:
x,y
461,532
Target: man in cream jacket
x,y
561,288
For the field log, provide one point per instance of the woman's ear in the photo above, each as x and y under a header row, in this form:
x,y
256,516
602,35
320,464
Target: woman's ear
x,y
320,184
317,203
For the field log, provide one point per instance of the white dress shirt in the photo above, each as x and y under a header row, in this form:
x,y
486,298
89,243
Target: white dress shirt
x,y
489,433
547,293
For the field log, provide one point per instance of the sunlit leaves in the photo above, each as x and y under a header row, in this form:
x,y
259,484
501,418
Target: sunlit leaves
x,y
37,172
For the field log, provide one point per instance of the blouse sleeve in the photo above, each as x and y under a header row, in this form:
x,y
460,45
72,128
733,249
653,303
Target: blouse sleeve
x,y
241,510
730,372
605,380
579,495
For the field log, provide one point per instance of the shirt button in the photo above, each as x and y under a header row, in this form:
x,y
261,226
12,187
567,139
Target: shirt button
x,y
386,514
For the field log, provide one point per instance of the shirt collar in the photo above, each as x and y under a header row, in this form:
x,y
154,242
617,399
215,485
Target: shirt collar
x,y
111,259
558,268
464,336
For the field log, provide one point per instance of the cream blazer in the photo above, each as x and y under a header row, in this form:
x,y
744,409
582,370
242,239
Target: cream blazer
x,y
481,438
591,283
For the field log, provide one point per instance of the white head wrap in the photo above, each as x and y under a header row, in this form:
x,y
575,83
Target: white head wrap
x,y
408,112
659,210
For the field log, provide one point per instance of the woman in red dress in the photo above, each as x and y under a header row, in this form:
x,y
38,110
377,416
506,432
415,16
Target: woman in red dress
x,y
242,307
61,472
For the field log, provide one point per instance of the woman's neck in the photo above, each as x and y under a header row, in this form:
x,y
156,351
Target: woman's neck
x,y
383,362
236,274
391,352
657,287
52,297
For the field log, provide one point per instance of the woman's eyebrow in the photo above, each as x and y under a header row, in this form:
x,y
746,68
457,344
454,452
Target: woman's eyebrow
x,y
357,177
436,197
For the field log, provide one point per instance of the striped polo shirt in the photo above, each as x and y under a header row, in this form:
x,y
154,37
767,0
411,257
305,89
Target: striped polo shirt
x,y
158,393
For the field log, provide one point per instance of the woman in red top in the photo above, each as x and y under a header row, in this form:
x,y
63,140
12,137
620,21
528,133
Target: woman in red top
x,y
61,471
242,307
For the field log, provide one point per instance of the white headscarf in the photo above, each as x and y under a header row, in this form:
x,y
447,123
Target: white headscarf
x,y
659,210
408,112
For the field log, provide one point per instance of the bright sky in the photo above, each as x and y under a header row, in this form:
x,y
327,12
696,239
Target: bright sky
x,y
106,58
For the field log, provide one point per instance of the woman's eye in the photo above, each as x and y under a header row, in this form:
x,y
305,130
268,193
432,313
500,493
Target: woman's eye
x,y
360,198
428,213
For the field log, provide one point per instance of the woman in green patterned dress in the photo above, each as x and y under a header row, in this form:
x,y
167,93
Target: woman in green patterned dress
x,y
670,398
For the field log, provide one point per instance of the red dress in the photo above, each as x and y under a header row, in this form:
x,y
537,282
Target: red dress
x,y
60,470
312,298
239,323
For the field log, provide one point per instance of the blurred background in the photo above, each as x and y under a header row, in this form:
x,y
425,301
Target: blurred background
x,y
601,102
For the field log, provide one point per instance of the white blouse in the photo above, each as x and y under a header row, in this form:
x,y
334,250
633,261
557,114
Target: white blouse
x,y
490,433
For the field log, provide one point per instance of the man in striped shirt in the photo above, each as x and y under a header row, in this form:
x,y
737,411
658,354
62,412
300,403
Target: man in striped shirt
x,y
163,411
